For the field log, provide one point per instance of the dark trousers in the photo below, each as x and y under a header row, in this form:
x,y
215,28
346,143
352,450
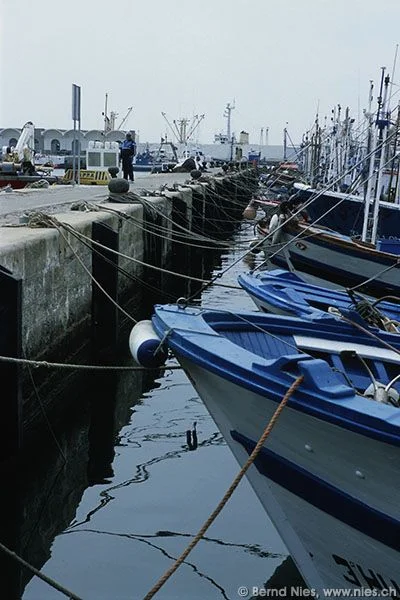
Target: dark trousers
x,y
127,168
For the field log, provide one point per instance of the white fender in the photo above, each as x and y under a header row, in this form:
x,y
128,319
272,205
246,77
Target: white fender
x,y
275,222
144,345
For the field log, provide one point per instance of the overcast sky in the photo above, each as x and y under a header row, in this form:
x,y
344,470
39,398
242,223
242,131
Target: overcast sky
x,y
277,60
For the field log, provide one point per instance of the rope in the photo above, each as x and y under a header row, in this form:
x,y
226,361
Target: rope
x,y
59,225
304,206
48,580
45,417
135,260
366,281
229,492
370,333
45,363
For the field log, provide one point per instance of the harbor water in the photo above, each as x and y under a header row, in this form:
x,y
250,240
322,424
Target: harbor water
x,y
118,495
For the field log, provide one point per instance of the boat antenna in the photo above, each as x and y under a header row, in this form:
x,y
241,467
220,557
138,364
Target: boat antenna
x,y
285,132
393,72
106,119
227,113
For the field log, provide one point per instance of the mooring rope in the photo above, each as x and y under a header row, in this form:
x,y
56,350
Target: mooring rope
x,y
118,306
51,365
369,333
304,206
229,492
385,270
35,571
136,260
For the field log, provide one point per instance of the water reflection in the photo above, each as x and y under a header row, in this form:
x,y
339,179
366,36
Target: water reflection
x,y
132,494
39,501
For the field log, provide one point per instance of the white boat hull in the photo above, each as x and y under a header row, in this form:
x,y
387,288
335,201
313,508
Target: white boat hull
x,y
356,475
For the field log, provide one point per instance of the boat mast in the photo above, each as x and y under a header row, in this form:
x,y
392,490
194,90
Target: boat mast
x,y
376,164
106,119
227,113
372,140
383,125
285,143
394,167
180,130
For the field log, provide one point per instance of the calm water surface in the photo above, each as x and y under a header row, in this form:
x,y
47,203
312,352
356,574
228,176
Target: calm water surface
x,y
140,495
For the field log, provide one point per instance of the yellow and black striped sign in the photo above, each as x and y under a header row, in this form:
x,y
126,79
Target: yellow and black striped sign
x,y
88,177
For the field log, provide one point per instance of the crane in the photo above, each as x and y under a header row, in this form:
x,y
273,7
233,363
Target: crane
x,y
126,116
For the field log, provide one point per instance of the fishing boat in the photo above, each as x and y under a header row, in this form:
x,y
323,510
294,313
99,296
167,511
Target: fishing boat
x,y
283,292
345,261
328,474
353,185
161,161
49,160
344,212
259,201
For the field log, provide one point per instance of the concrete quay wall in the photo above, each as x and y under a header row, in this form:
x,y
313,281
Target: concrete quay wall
x,y
56,269
57,312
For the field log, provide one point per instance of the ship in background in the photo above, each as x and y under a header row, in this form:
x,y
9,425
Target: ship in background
x,y
55,145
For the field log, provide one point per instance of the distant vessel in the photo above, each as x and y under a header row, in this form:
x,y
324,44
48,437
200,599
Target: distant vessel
x,y
161,161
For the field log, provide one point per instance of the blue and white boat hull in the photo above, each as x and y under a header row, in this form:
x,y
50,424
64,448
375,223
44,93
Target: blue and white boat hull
x,y
285,293
312,477
328,475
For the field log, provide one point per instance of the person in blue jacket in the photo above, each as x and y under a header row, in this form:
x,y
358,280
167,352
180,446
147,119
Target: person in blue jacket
x,y
127,152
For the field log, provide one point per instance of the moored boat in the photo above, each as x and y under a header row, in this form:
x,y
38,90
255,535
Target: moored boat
x,y
160,161
347,262
283,292
344,212
17,165
328,473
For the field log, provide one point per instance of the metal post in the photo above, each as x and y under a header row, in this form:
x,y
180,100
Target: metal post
x,y
79,151
74,155
284,144
76,116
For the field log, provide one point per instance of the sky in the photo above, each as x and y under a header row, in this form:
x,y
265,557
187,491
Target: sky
x,y
278,62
